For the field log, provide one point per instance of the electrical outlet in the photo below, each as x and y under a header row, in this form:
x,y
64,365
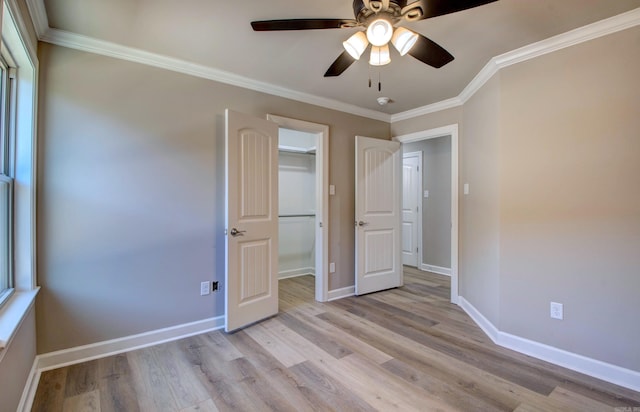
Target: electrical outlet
x,y
205,288
214,286
556,310
332,267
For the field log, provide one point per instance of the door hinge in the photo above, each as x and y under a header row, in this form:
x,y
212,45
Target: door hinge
x,y
418,168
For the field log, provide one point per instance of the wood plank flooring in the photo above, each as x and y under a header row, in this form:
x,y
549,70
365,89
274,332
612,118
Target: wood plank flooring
x,y
405,349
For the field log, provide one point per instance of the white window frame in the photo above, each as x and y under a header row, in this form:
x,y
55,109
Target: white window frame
x,y
16,39
7,140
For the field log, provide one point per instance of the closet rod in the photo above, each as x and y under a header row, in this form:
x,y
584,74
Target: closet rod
x,y
297,215
296,152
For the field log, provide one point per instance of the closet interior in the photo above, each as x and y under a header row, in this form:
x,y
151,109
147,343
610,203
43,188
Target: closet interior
x,y
297,203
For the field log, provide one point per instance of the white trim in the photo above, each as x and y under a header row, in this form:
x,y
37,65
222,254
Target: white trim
x,y
13,314
435,269
487,327
431,108
449,130
30,388
104,48
606,371
342,293
294,273
21,26
322,197
97,350
38,16
571,38
79,354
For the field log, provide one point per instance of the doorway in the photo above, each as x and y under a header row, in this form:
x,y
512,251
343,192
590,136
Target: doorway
x,y
303,222
450,135
411,208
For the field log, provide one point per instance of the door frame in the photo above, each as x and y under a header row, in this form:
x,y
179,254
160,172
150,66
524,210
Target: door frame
x,y
322,196
417,154
452,131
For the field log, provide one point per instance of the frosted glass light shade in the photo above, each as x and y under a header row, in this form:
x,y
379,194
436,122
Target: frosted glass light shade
x,y
356,45
403,40
379,55
379,32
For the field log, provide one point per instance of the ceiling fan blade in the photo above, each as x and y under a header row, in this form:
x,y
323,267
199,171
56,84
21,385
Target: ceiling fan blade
x,y
301,24
434,8
341,64
430,52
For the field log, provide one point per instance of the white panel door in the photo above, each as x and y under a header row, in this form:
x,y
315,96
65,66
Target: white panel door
x,y
251,264
378,215
410,208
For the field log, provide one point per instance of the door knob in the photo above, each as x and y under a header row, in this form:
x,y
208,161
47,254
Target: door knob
x,y
235,232
361,223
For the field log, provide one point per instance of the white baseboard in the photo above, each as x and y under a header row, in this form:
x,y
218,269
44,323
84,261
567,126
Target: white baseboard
x,y
435,269
607,372
485,324
98,350
341,293
286,274
29,391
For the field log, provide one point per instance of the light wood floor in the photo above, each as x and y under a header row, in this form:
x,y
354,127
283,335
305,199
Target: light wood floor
x,y
405,349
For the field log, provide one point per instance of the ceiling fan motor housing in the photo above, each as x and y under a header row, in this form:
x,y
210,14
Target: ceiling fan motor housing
x,y
363,14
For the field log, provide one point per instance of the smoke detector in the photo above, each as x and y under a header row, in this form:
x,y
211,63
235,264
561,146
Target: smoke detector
x,y
382,100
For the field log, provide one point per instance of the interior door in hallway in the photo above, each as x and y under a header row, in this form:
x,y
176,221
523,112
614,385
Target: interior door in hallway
x,y
411,208
378,215
251,246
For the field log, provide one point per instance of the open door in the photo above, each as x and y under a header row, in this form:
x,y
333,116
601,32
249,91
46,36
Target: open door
x,y
251,246
378,215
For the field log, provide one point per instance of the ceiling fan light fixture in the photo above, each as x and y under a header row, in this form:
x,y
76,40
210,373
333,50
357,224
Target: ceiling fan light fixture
x,y
379,55
403,40
356,45
379,32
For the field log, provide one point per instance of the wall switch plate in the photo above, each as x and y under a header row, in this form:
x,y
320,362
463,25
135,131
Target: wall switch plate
x,y
426,194
556,310
466,188
332,190
332,267
205,288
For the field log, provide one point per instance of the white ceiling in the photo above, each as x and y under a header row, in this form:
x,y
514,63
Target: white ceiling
x,y
217,34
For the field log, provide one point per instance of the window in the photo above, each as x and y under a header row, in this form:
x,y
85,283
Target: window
x,y
18,79
7,110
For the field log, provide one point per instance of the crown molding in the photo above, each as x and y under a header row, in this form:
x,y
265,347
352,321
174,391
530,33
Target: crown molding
x,y
432,108
104,48
38,16
79,42
571,38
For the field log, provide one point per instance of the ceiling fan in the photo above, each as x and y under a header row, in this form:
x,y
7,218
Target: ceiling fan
x,y
380,23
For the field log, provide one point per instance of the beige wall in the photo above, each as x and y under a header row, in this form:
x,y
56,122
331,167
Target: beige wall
x,y
16,363
570,198
479,256
551,151
130,212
